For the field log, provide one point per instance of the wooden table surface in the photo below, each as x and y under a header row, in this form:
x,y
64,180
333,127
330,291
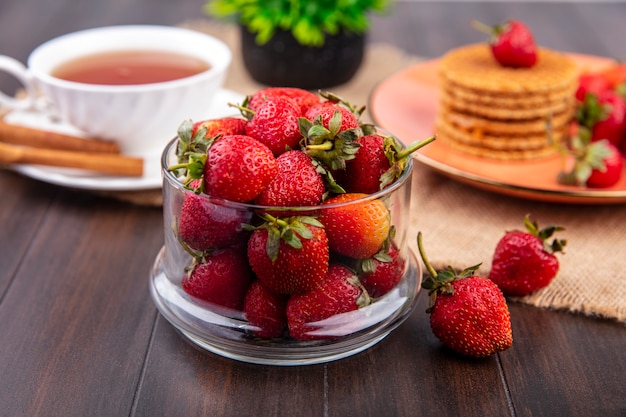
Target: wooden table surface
x,y
80,336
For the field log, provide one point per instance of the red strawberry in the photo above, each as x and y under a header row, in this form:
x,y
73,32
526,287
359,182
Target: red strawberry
x,y
523,261
512,43
609,171
275,124
265,310
303,98
378,162
205,223
221,277
357,229
591,83
602,116
223,126
238,168
597,164
298,183
612,124
340,292
326,110
289,255
381,273
468,313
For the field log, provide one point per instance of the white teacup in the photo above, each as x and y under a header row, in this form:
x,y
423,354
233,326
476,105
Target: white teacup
x,y
141,118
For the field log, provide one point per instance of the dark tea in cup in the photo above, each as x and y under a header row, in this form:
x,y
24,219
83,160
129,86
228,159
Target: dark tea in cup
x,y
130,67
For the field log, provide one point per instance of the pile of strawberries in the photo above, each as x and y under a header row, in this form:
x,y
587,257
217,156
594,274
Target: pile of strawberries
x,y
281,265
598,137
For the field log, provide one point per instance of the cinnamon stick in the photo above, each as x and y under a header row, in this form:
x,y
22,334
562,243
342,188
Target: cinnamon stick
x,y
27,136
98,162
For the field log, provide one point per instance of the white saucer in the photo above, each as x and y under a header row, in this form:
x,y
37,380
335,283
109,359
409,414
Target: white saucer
x,y
76,178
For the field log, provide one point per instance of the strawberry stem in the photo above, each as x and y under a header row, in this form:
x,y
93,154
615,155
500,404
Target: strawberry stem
x,y
420,246
482,27
414,146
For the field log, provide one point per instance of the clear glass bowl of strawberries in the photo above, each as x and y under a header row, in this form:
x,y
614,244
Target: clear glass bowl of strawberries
x,y
286,231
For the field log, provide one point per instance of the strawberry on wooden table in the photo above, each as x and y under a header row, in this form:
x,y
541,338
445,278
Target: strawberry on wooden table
x,y
512,43
340,292
468,313
221,277
289,255
524,261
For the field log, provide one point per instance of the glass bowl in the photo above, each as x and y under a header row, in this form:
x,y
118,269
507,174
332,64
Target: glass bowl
x,y
226,331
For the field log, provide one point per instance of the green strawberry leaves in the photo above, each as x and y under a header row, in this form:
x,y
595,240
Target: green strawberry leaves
x,y
331,146
441,282
191,153
290,230
557,245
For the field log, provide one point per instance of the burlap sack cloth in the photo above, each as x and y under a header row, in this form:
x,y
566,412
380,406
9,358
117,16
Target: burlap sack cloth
x,y
462,225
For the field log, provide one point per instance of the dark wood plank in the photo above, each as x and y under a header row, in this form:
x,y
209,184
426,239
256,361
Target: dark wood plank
x,y
183,380
23,207
411,368
565,365
77,318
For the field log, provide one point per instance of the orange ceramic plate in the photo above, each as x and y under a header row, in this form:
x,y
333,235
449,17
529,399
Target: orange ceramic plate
x,y
406,105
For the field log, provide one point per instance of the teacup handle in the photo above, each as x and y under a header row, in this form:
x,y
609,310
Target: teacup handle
x,y
19,71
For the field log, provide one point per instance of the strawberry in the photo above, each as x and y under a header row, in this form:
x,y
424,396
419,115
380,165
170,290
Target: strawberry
x,y
339,292
289,255
602,116
238,168
381,273
612,124
597,164
275,124
303,98
356,229
609,171
326,110
223,126
205,223
523,261
232,167
591,83
512,43
266,311
468,313
221,277
378,162
298,183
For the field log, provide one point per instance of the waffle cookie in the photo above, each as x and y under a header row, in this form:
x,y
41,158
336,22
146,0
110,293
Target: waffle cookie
x,y
497,112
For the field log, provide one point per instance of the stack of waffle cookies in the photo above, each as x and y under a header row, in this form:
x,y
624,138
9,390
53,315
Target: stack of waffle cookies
x,y
505,113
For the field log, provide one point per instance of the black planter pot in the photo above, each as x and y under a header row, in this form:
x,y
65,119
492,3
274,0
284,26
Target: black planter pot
x,y
283,62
